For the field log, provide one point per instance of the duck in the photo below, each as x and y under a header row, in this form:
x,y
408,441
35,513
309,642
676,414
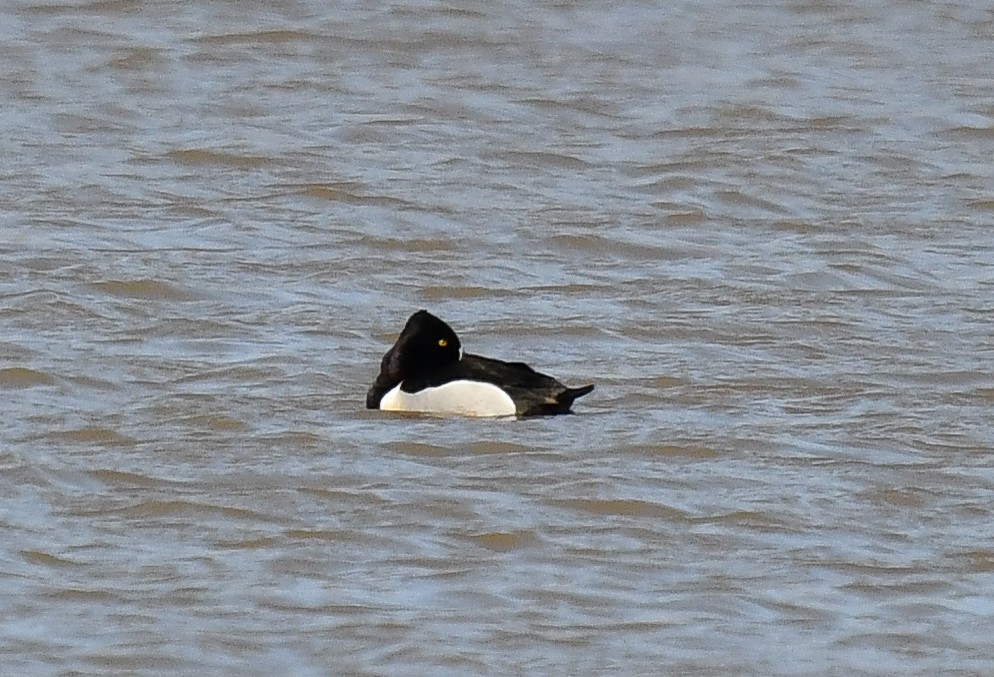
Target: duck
x,y
427,372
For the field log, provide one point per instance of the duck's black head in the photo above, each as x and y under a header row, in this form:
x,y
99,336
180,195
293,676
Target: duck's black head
x,y
426,343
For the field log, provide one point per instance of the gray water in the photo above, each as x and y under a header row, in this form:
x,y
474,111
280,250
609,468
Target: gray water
x,y
763,230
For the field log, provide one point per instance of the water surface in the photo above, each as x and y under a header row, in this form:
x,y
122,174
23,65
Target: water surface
x,y
762,230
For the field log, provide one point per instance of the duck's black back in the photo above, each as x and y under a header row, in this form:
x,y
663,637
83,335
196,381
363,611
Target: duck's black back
x,y
534,393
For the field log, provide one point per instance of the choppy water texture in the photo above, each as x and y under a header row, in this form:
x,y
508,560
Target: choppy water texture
x,y
763,229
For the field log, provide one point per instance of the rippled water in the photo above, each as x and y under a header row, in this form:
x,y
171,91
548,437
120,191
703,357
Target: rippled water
x,y
763,229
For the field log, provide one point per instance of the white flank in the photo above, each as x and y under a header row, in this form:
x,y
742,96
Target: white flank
x,y
467,398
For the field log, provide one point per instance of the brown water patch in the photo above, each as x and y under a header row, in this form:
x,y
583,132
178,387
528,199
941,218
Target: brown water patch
x,y
900,589
348,194
199,157
406,245
45,559
663,382
251,37
216,422
691,218
434,293
22,377
976,133
539,159
251,543
136,59
320,534
338,495
622,508
902,498
986,394
121,478
419,449
595,244
293,439
79,595
502,541
749,519
983,205
95,435
172,508
739,199
237,373
978,560
497,447
672,450
145,289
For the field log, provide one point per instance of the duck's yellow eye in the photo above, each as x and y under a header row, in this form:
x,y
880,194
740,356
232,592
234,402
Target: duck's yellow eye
x,y
442,343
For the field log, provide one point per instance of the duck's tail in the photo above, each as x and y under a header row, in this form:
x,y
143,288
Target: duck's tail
x,y
558,401
565,398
